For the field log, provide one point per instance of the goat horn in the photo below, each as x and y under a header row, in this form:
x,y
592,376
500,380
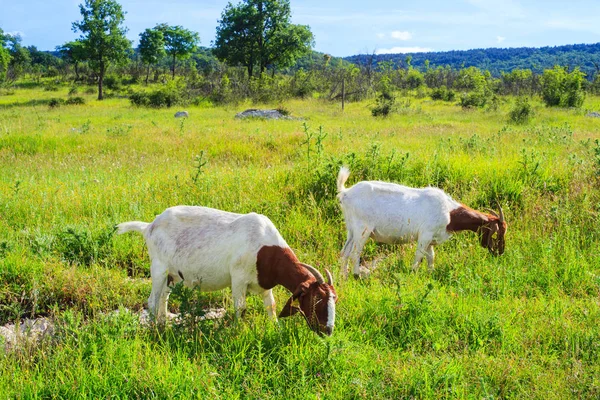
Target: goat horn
x,y
501,213
493,212
329,278
315,273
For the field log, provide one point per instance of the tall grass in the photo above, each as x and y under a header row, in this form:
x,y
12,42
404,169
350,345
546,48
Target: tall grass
x,y
524,325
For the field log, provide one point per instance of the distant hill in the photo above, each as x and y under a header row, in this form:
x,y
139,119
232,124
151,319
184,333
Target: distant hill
x,y
496,60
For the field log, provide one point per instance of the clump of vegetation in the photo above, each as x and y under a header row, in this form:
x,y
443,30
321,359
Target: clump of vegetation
x,y
563,89
385,102
82,247
166,96
522,112
75,101
476,84
55,102
443,93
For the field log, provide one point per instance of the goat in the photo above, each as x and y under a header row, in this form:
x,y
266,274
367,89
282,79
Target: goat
x,y
394,214
216,249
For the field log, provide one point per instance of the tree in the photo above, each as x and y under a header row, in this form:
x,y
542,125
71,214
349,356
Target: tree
x,y
563,89
180,43
102,36
152,47
4,56
20,59
258,33
72,53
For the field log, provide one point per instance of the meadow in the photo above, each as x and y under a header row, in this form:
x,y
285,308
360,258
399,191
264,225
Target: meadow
x,y
522,325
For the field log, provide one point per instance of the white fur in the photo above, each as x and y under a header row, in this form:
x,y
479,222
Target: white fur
x,y
331,311
208,247
391,213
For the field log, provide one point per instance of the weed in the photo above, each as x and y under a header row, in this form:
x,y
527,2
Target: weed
x,y
119,131
522,112
199,163
80,246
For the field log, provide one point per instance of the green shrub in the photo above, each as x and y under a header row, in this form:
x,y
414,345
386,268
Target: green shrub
x,y
75,101
83,247
51,88
563,89
166,96
73,90
55,102
522,111
443,93
384,104
112,82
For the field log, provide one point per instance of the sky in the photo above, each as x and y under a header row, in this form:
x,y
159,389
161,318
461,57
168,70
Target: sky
x,y
343,27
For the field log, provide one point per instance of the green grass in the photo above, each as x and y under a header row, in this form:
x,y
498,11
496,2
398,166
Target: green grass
x,y
523,325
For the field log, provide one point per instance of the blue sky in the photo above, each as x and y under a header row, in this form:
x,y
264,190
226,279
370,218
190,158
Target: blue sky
x,y
344,27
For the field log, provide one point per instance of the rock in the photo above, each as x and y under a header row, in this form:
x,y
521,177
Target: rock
x,y
29,331
593,114
267,114
181,114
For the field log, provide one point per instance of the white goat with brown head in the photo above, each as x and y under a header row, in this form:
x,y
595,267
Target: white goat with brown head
x,y
394,214
216,249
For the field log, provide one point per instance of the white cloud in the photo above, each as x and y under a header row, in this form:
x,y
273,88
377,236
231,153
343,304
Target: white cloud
x,y
500,39
393,50
401,35
381,35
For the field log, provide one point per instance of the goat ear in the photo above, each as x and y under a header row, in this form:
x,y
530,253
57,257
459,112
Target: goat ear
x,y
292,306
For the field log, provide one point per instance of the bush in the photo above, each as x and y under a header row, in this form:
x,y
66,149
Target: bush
x,y
563,89
442,93
51,88
75,101
73,90
112,82
522,112
166,96
55,102
384,104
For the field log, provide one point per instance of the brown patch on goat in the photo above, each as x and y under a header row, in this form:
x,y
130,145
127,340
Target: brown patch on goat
x,y
486,225
277,265
169,280
180,275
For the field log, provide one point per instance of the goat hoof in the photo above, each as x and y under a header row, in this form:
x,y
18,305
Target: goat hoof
x,y
364,273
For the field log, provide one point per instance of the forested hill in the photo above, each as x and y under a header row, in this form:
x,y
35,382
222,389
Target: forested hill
x,y
496,60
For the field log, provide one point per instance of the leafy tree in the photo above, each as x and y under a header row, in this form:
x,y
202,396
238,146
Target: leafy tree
x,y
20,58
152,47
72,53
563,89
258,33
102,36
180,43
4,56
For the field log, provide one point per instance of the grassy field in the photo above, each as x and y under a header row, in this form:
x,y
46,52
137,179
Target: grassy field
x,y
523,325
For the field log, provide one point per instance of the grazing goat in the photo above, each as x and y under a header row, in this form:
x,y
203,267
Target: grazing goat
x,y
217,249
391,213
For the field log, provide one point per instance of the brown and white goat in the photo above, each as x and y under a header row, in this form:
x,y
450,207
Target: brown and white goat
x,y
216,249
394,214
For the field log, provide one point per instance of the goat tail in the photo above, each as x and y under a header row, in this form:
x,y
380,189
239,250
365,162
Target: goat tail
x,y
342,178
137,226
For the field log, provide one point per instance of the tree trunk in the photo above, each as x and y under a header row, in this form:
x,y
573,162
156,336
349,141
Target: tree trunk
x,y
76,72
100,79
147,74
173,66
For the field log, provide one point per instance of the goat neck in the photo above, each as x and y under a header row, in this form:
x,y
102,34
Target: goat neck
x,y
464,218
277,265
